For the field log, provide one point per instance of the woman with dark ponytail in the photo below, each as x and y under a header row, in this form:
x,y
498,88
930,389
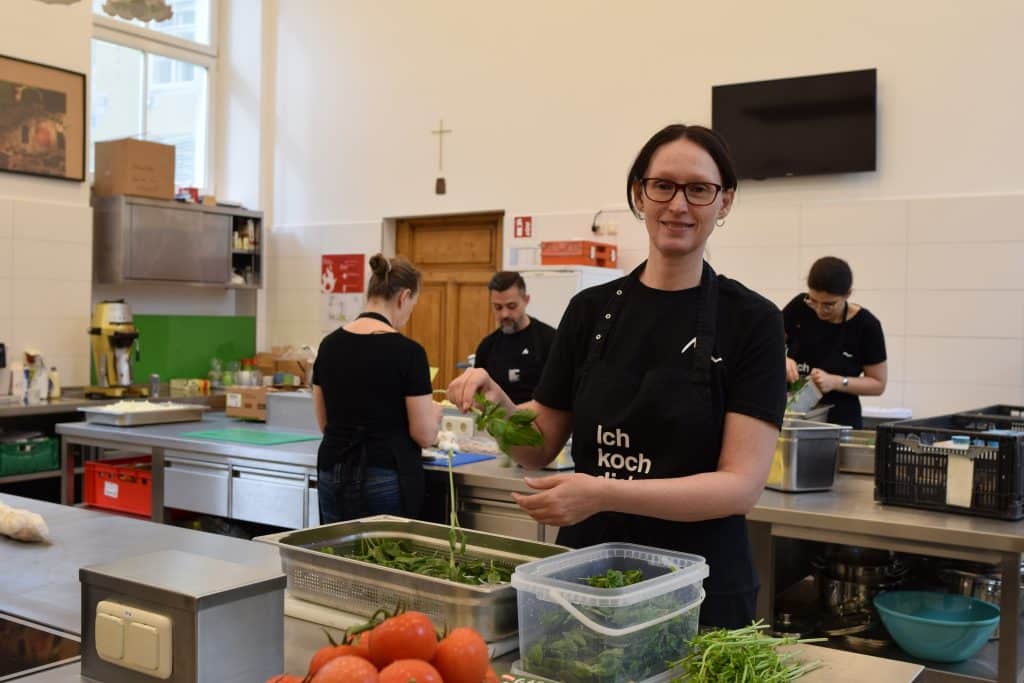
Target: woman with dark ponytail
x,y
369,460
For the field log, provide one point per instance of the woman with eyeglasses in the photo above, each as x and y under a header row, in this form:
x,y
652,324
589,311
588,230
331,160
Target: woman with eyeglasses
x,y
671,382
837,344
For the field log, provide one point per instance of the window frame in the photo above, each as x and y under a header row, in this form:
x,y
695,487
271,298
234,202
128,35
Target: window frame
x,y
149,42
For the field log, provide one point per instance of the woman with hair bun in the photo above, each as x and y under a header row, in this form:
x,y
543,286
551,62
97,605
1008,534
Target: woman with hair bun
x,y
369,460
837,344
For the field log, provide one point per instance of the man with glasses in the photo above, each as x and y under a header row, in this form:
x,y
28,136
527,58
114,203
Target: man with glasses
x,y
515,353
838,345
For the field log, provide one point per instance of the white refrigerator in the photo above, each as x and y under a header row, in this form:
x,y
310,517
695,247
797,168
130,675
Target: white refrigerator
x,y
551,287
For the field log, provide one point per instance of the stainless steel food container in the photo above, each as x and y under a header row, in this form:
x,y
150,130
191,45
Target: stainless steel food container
x,y
806,456
857,451
363,588
179,413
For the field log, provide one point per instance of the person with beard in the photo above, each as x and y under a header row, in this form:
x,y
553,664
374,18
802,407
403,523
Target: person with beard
x,y
515,353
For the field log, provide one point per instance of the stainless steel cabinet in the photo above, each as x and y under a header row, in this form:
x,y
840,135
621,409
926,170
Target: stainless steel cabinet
x,y
483,509
148,240
268,497
196,485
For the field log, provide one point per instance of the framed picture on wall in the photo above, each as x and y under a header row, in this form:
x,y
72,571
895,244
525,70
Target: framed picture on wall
x,y
42,120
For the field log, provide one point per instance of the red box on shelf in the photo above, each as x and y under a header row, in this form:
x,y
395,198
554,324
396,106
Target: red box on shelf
x,y
122,484
579,253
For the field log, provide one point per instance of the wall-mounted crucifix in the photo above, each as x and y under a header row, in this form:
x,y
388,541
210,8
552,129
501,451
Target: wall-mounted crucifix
x,y
439,184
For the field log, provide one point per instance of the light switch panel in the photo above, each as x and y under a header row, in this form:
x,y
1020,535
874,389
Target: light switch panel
x,y
134,638
109,637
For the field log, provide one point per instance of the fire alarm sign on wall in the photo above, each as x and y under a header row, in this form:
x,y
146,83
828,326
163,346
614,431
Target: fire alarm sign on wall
x,y
523,226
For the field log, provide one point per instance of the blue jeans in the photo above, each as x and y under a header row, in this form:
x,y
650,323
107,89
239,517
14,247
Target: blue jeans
x,y
381,494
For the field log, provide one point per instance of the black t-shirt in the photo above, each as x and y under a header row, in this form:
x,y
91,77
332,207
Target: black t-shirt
x,y
656,324
365,379
839,349
516,361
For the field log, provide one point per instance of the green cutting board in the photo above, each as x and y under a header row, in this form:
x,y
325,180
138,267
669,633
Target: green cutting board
x,y
250,436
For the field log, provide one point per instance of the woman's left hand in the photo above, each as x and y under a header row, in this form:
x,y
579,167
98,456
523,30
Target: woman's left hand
x,y
824,381
562,499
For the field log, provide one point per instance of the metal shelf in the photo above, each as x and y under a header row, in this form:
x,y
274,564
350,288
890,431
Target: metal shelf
x,y
48,474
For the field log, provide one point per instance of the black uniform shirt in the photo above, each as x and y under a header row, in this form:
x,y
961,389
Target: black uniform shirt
x,y
515,361
365,379
815,343
656,325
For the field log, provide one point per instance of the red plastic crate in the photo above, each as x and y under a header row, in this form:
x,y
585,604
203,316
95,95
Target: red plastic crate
x,y
123,484
579,253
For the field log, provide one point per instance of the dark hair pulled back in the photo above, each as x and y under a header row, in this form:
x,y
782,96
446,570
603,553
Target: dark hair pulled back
x,y
831,274
710,141
390,276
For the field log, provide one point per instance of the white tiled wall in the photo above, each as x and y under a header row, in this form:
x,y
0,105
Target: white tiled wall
x,y
943,276
45,282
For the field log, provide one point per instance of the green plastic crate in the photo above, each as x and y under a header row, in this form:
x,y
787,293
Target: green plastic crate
x,y
27,457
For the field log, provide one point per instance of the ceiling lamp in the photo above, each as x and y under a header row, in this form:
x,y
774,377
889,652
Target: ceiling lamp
x,y
143,10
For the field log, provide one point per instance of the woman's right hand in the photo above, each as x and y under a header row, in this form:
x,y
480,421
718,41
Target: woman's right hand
x,y
792,374
473,381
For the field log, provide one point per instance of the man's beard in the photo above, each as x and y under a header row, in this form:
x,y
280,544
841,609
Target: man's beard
x,y
511,326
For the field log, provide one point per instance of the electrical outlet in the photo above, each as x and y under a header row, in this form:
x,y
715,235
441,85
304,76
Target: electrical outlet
x,y
461,426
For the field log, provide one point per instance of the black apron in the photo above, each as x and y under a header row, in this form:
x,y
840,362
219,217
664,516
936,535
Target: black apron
x,y
845,407
355,447
666,423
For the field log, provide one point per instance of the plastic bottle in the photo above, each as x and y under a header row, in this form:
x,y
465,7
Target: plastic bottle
x,y
55,388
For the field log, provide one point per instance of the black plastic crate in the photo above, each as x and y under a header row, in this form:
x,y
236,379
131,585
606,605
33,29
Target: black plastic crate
x,y
910,470
1007,417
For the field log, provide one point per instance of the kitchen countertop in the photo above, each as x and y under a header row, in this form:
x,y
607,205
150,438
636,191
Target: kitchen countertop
x,y
41,581
848,507
74,398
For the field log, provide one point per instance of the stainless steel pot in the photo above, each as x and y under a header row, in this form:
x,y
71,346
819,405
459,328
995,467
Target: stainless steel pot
x,y
848,597
983,586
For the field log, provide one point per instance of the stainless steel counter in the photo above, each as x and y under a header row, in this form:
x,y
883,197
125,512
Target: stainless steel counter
x,y
40,581
11,408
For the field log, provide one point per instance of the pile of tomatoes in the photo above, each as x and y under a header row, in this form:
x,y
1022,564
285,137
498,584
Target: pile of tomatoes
x,y
403,648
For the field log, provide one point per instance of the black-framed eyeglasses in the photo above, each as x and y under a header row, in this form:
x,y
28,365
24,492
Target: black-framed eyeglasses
x,y
697,194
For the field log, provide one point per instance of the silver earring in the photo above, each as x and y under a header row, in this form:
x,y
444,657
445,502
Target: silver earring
x,y
720,222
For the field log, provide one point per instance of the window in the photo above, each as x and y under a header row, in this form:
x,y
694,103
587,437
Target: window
x,y
153,81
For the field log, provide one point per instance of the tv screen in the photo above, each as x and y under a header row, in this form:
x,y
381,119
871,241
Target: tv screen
x,y
799,126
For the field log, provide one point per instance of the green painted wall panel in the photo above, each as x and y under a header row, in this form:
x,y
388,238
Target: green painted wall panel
x,y
176,346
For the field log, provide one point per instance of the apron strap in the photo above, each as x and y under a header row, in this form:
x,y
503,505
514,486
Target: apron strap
x,y
613,309
707,323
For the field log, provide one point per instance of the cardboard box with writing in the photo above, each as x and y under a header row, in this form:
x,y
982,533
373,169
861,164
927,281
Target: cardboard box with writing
x,y
249,403
134,167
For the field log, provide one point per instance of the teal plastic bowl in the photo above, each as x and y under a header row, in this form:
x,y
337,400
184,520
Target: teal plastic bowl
x,y
939,627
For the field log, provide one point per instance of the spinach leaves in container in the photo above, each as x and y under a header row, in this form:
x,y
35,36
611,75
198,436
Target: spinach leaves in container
x,y
610,613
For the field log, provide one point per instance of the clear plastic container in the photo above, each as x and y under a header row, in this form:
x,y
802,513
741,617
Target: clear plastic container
x,y
572,632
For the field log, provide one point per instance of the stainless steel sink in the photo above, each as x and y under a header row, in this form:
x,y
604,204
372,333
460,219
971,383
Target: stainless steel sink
x,y
27,648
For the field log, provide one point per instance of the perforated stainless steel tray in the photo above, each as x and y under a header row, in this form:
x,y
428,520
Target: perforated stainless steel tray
x,y
363,588
179,413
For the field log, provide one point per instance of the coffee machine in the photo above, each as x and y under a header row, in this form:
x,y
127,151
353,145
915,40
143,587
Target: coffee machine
x,y
114,338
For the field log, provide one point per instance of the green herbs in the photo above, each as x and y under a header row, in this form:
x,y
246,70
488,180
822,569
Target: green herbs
x,y
743,654
566,650
455,532
613,578
397,554
509,431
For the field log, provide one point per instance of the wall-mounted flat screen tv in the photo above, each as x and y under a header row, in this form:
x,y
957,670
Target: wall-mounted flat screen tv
x,y
799,126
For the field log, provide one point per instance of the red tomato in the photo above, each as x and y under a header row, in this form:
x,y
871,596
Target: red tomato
x,y
407,636
284,678
409,671
462,657
362,643
491,676
329,652
346,669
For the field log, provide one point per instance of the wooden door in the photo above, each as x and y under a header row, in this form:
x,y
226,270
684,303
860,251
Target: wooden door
x,y
457,256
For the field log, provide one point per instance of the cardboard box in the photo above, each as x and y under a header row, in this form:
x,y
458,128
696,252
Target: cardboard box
x,y
134,167
249,403
246,402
